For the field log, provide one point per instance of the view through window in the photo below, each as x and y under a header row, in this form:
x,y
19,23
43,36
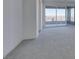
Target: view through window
x,y
50,14
60,14
54,15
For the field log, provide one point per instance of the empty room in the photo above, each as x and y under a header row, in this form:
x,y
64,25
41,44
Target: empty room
x,y
39,29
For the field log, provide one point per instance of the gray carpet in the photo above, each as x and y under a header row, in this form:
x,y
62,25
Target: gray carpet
x,y
52,43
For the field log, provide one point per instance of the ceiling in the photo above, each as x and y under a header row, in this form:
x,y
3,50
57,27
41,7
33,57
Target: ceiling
x,y
61,0
60,3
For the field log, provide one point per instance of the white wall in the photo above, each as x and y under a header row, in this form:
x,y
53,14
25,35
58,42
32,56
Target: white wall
x,y
19,22
39,15
43,15
29,16
12,25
